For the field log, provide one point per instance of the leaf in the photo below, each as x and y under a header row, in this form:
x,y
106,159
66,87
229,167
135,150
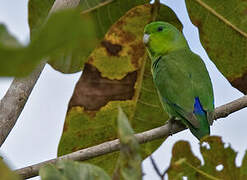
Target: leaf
x,y
219,161
38,11
70,170
226,45
69,37
6,173
129,162
116,74
104,14
63,29
7,39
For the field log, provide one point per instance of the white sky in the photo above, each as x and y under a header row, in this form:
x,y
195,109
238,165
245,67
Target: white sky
x,y
36,135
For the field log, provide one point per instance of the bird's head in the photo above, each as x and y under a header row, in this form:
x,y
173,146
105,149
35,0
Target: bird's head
x,y
161,38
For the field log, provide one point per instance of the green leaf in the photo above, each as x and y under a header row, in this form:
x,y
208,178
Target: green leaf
x,y
7,39
63,30
129,162
223,33
38,11
219,161
6,173
70,170
104,14
117,73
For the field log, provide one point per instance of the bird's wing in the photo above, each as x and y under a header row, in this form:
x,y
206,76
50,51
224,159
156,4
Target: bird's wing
x,y
181,77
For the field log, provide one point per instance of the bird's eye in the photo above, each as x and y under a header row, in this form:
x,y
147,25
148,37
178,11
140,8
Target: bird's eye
x,y
160,28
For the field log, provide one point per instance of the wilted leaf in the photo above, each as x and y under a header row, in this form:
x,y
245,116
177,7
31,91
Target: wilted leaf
x,y
223,33
70,170
6,173
129,162
116,74
62,30
219,161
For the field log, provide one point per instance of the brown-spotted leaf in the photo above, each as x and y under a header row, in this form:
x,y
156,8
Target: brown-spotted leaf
x,y
223,33
103,14
219,161
117,73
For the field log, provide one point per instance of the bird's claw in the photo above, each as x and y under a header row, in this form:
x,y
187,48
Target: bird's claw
x,y
170,126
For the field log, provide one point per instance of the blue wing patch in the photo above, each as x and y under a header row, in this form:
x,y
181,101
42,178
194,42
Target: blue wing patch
x,y
198,109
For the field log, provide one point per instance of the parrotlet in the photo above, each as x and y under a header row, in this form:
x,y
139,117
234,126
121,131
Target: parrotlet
x,y
181,78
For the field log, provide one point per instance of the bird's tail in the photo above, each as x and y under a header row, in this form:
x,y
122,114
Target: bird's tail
x,y
201,116
203,129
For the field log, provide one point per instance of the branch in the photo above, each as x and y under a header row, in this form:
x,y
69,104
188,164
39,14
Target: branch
x,y
14,101
161,175
143,137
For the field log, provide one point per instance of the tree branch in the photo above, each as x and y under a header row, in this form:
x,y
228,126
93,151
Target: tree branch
x,y
143,137
161,175
14,101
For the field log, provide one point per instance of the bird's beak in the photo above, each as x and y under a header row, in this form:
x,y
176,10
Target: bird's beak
x,y
146,38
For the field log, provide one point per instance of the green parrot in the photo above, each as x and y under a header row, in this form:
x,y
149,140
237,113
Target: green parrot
x,y
180,77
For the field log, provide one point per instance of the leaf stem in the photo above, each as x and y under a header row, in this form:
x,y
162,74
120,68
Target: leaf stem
x,y
98,6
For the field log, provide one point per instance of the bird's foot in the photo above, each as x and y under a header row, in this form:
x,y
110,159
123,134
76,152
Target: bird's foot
x,y
170,125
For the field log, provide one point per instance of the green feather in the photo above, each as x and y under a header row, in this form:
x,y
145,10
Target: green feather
x,y
180,77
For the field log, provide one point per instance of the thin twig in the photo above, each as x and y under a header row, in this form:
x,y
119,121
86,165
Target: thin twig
x,y
14,101
111,146
161,175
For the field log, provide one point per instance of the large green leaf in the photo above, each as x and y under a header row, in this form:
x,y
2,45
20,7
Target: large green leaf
x,y
63,30
69,170
223,33
6,173
104,14
129,162
116,74
219,162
